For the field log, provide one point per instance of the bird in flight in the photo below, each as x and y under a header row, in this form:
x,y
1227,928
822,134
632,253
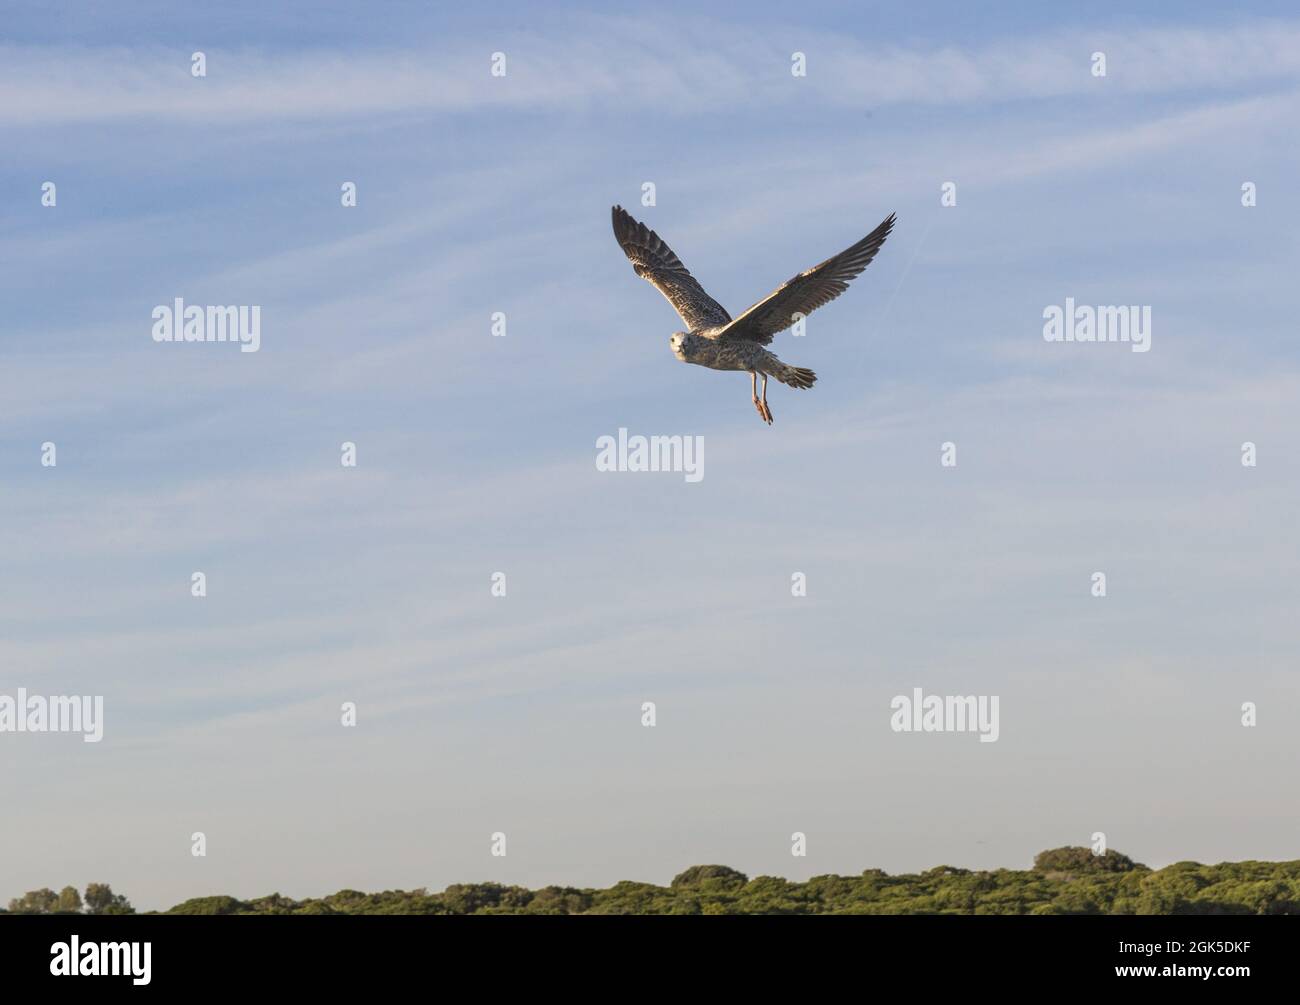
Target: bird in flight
x,y
713,338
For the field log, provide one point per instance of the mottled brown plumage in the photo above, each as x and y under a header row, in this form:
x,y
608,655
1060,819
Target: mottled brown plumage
x,y
713,338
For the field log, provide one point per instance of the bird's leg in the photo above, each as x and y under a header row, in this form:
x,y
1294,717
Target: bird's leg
x,y
753,390
767,412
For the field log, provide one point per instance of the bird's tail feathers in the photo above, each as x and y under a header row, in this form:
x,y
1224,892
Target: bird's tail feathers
x,y
794,376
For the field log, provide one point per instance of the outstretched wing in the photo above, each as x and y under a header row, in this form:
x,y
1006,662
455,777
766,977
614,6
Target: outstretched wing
x,y
654,261
807,291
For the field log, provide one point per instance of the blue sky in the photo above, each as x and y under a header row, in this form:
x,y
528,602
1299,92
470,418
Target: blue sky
x,y
476,454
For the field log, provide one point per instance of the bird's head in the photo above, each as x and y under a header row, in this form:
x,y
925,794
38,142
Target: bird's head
x,y
679,344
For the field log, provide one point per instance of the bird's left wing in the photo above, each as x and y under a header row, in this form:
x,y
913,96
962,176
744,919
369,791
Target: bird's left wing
x,y
807,291
655,262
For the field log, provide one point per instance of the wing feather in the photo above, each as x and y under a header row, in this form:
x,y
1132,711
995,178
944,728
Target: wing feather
x,y
655,262
807,291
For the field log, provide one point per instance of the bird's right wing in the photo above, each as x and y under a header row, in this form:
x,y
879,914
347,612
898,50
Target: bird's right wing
x,y
655,262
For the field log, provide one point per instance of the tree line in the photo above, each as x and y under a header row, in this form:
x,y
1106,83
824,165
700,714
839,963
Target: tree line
x,y
1062,881
99,899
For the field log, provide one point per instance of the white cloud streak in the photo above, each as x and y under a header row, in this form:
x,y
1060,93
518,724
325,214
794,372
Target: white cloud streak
x,y
629,63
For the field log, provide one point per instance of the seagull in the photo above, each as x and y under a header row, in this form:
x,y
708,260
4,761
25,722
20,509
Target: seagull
x,y
716,340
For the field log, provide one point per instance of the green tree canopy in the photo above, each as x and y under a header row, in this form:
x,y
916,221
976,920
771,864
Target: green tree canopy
x,y
698,874
1063,881
41,901
1079,860
100,899
69,899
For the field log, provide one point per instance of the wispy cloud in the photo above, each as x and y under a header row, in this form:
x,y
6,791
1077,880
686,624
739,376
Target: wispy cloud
x,y
629,63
